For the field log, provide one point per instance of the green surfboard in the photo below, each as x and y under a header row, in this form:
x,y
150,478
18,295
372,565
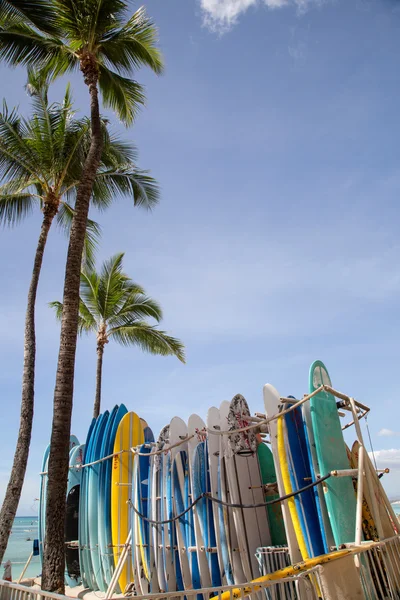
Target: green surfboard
x,y
332,455
268,475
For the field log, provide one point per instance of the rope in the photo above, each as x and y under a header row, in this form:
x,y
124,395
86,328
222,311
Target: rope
x,y
273,418
165,450
370,443
79,467
229,504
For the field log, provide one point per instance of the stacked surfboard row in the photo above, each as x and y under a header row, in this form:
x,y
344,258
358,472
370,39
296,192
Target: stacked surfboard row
x,y
157,497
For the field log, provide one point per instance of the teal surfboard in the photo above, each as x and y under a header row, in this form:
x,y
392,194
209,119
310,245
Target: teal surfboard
x,y
332,455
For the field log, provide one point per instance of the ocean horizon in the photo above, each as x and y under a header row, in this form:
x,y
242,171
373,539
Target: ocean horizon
x,y
25,530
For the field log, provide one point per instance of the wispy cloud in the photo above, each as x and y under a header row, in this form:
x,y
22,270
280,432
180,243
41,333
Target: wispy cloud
x,y
221,15
271,285
388,433
387,458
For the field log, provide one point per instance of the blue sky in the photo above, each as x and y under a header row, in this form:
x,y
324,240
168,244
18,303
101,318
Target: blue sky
x,y
274,135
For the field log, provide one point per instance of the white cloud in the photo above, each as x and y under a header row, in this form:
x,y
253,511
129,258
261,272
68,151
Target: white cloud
x,y
388,433
387,458
221,15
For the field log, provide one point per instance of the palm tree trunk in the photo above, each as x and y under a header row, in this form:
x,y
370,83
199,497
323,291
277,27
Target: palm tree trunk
x,y
15,483
54,550
97,399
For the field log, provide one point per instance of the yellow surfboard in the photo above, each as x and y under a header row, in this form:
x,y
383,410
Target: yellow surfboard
x,y
292,570
288,489
129,434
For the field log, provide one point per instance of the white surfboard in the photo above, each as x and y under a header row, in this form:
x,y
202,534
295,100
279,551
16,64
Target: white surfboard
x,y
249,480
272,405
234,497
196,425
213,423
166,549
156,512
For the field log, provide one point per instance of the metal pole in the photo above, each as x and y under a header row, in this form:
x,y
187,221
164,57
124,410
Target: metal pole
x,y
119,567
370,484
360,497
25,567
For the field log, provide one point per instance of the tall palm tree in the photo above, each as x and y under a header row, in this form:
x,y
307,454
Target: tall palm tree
x,y
116,308
95,36
41,162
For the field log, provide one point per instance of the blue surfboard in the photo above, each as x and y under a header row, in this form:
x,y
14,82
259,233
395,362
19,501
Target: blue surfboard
x,y
84,554
93,501
201,485
301,476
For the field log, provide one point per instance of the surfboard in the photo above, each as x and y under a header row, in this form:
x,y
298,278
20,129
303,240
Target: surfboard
x,y
171,527
288,489
201,485
176,502
82,521
226,515
84,530
184,527
325,524
129,434
273,406
142,528
300,471
268,476
104,506
234,497
369,522
72,570
156,507
42,502
331,453
244,448
196,428
93,503
213,423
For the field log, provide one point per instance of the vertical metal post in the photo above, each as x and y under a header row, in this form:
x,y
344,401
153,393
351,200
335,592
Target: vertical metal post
x,y
360,496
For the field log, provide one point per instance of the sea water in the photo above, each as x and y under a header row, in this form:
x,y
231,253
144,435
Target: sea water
x,y
25,530
20,544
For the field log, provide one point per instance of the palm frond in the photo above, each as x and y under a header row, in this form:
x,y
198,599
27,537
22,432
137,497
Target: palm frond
x,y
133,45
137,306
16,206
21,44
127,181
149,339
58,309
90,282
121,94
111,286
17,159
39,12
86,323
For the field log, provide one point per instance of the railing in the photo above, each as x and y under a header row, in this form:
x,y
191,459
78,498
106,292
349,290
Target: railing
x,y
372,573
15,591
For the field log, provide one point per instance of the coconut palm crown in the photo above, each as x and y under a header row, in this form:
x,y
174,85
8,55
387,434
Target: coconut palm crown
x,y
93,35
116,308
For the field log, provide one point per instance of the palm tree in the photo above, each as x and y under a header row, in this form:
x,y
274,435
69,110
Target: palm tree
x,y
115,308
41,161
95,36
